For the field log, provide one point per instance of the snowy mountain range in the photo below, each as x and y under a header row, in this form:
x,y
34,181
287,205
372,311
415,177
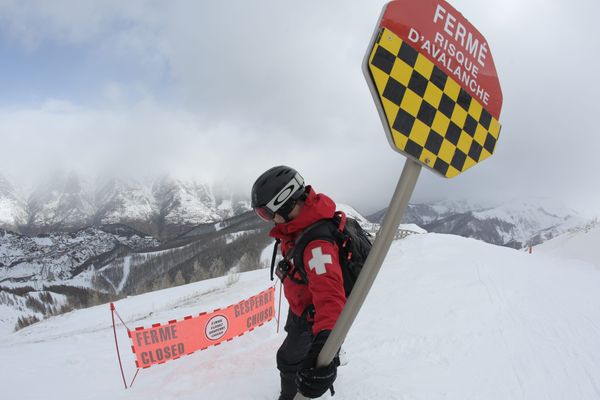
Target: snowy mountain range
x,y
165,207
81,241
518,223
168,207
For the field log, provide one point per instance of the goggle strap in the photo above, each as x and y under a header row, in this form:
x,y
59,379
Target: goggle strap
x,y
285,194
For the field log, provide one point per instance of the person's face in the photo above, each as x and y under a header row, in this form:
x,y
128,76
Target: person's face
x,y
278,219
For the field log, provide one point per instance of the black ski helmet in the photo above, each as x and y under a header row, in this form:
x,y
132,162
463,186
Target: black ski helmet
x,y
276,191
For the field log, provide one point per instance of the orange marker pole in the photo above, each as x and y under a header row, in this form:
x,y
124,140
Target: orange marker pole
x,y
112,310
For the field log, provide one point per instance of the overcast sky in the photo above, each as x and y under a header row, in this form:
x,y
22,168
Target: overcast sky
x,y
224,90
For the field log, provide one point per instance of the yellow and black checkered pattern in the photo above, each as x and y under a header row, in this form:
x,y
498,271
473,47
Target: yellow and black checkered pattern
x,y
431,118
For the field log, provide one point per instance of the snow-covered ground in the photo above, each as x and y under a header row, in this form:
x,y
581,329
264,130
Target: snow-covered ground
x,y
579,244
447,318
352,213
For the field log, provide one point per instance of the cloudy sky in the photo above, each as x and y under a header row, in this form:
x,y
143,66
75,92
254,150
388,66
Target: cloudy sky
x,y
221,91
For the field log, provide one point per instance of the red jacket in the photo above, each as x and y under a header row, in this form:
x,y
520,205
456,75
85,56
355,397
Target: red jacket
x,y
325,288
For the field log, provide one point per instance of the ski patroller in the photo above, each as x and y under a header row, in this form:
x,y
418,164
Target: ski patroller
x,y
435,87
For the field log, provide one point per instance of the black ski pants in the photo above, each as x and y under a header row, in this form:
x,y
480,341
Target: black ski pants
x,y
292,352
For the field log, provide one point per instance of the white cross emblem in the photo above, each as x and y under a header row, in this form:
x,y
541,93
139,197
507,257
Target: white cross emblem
x,y
319,260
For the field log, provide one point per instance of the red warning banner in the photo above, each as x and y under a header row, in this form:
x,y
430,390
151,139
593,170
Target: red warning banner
x,y
164,342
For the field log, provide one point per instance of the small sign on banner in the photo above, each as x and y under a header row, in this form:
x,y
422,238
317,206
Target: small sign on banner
x,y
164,342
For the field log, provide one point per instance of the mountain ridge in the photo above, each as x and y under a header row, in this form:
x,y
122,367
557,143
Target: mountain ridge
x,y
517,223
164,207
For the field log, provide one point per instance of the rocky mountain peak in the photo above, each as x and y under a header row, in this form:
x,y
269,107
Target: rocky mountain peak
x,y
67,201
12,208
516,223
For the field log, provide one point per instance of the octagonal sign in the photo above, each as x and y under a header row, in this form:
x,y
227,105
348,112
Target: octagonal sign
x,y
435,85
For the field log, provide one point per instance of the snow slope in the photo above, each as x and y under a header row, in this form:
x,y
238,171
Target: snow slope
x,y
579,244
352,213
448,318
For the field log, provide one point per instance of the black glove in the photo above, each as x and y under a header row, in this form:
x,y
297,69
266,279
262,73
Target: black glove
x,y
313,382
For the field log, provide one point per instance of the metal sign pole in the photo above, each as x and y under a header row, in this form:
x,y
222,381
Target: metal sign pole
x,y
383,241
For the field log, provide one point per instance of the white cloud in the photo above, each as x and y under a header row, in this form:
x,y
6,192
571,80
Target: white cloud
x,y
229,89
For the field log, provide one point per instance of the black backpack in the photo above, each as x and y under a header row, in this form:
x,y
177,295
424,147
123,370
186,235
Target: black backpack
x,y
353,242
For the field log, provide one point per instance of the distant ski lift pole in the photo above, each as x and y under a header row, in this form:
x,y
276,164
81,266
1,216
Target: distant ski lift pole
x,y
435,86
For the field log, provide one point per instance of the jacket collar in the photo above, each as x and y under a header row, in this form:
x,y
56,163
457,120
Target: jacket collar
x,y
316,207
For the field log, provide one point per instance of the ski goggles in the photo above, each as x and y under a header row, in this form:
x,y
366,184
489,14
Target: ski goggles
x,y
264,213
